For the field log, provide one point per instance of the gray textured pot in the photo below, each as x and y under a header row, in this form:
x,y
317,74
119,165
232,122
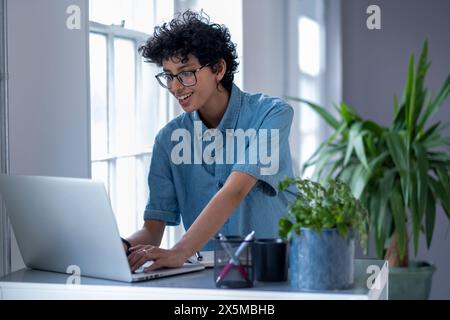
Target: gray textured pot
x,y
412,283
321,261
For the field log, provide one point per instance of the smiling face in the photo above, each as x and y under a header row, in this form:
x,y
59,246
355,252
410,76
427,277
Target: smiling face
x,y
196,97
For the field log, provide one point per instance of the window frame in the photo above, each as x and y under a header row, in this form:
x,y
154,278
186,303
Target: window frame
x,y
140,152
173,234
112,32
319,11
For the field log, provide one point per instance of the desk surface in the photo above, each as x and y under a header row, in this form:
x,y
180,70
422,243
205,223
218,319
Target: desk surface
x,y
34,284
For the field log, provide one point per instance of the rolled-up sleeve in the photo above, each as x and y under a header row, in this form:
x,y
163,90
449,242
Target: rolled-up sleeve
x,y
162,203
272,145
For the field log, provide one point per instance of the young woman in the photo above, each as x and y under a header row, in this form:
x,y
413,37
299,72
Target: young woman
x,y
216,166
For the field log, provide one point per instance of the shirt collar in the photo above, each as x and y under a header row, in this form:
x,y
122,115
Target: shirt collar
x,y
231,114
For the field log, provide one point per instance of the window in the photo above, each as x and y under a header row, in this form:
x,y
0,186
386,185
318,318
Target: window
x,y
310,74
128,107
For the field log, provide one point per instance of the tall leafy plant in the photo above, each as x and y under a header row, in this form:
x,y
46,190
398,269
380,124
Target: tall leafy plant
x,y
398,172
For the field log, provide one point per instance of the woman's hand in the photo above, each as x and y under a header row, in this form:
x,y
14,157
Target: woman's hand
x,y
140,254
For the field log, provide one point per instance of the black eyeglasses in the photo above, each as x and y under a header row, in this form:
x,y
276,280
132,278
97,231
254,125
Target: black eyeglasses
x,y
186,78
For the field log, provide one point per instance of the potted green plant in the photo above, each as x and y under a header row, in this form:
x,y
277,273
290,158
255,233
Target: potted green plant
x,y
398,172
321,225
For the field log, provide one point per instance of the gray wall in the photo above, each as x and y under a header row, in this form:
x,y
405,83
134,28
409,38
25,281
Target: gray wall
x,y
48,91
264,30
374,69
4,223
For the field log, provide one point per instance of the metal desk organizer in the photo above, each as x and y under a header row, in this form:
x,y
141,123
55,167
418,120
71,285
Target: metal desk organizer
x,y
233,266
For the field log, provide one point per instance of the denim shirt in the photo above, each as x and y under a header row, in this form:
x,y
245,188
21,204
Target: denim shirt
x,y
179,190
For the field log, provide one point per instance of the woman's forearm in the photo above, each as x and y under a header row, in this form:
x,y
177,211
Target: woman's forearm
x,y
151,233
215,214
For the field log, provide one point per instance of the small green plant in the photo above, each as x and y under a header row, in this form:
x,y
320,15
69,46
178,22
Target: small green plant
x,y
318,207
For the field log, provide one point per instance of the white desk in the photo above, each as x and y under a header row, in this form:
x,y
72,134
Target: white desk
x,y
34,284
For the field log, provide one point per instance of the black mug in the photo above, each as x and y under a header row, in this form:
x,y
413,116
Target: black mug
x,y
270,259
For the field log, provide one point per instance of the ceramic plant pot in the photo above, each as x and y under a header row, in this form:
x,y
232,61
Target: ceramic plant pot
x,y
321,261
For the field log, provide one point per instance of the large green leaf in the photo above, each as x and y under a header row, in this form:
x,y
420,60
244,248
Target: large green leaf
x,y
325,160
434,105
324,145
362,175
348,114
440,193
414,94
315,157
428,132
422,177
414,205
397,149
430,218
375,212
372,144
396,107
399,154
360,151
446,142
327,156
420,92
373,127
399,214
355,131
410,98
384,190
399,122
433,138
379,245
346,173
379,209
327,116
332,172
444,181
437,159
359,180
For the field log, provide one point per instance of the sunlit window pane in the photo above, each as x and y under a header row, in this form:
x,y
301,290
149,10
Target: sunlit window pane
x,y
163,103
219,12
148,111
309,46
141,16
309,90
107,11
98,78
142,168
308,145
136,14
100,171
164,11
125,205
124,102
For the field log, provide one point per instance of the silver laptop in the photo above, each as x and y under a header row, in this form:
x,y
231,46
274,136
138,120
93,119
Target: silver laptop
x,y
65,222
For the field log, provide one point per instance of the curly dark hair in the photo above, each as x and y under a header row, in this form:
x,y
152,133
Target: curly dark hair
x,y
192,33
